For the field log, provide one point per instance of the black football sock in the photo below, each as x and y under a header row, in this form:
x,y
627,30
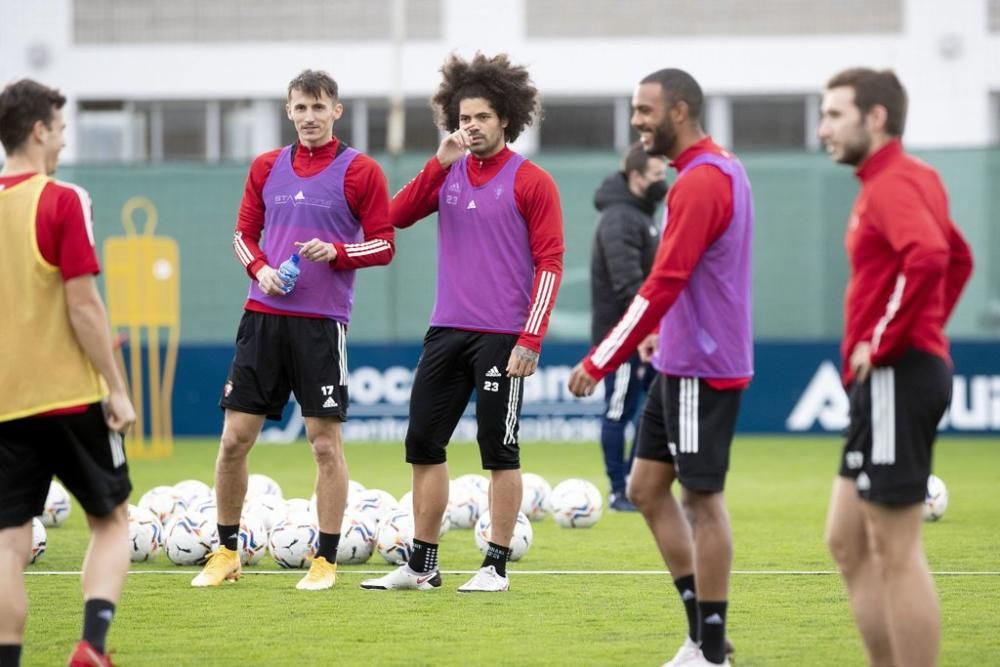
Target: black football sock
x,y
97,615
424,558
229,536
10,654
496,556
685,586
713,630
328,544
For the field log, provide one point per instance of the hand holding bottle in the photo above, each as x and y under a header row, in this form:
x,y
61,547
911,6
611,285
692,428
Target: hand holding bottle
x,y
289,272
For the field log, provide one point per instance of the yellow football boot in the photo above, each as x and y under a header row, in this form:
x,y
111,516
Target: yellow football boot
x,y
223,564
322,575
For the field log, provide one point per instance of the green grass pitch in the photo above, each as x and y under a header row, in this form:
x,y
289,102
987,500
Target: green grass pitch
x,y
787,607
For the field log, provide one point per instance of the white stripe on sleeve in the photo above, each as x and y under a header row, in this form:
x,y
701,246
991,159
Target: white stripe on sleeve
x,y
890,311
242,251
613,341
542,297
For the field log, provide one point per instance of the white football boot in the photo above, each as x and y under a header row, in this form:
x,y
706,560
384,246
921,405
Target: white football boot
x,y
485,581
403,578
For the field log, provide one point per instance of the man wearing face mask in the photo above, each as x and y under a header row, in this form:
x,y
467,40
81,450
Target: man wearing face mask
x,y
624,246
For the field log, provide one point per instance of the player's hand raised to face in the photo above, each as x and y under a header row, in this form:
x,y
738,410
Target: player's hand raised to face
x,y
269,282
580,382
453,147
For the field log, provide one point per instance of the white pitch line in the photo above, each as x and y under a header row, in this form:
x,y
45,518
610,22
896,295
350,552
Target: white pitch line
x,y
64,573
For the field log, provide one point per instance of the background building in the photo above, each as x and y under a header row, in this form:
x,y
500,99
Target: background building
x,y
192,80
170,101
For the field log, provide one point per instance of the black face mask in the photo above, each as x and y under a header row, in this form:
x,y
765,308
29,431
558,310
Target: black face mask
x,y
656,191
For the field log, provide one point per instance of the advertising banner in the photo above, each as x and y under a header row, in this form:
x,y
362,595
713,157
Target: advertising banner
x,y
796,389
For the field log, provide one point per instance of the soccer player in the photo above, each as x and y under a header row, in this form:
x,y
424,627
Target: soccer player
x,y
64,406
500,247
329,203
909,264
699,294
622,254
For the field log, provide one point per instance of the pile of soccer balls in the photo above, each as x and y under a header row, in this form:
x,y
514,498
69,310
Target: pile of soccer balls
x,y
181,520
374,521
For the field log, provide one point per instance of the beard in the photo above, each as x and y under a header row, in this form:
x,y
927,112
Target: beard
x,y
856,149
664,141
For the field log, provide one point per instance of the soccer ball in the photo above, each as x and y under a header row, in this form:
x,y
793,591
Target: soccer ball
x,y
465,503
252,539
477,481
38,540
164,503
206,507
373,503
406,504
353,489
936,501
262,485
576,503
293,542
57,506
519,543
299,506
535,497
192,491
190,538
481,487
145,534
394,538
268,509
357,539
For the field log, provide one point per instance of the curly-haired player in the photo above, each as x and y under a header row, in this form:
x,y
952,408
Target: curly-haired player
x,y
500,247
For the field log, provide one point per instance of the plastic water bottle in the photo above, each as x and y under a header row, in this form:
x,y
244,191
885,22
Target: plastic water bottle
x,y
289,272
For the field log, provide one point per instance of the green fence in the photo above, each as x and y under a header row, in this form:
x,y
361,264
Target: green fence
x,y
802,203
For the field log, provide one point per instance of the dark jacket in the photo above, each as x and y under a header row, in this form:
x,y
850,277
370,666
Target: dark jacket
x,y
624,247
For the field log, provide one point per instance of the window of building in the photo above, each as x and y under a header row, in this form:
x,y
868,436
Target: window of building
x,y
420,132
237,130
995,118
184,130
101,129
769,123
577,124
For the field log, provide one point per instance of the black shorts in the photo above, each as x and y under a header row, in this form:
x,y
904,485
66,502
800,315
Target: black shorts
x,y
78,449
895,413
277,355
453,364
687,423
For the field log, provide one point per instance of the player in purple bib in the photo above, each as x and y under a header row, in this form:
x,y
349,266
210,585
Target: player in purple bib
x,y
329,204
500,249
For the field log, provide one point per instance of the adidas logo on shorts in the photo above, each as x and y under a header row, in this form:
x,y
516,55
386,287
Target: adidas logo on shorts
x,y
330,403
493,373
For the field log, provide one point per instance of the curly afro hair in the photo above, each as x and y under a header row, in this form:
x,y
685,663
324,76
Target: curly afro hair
x,y
508,88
